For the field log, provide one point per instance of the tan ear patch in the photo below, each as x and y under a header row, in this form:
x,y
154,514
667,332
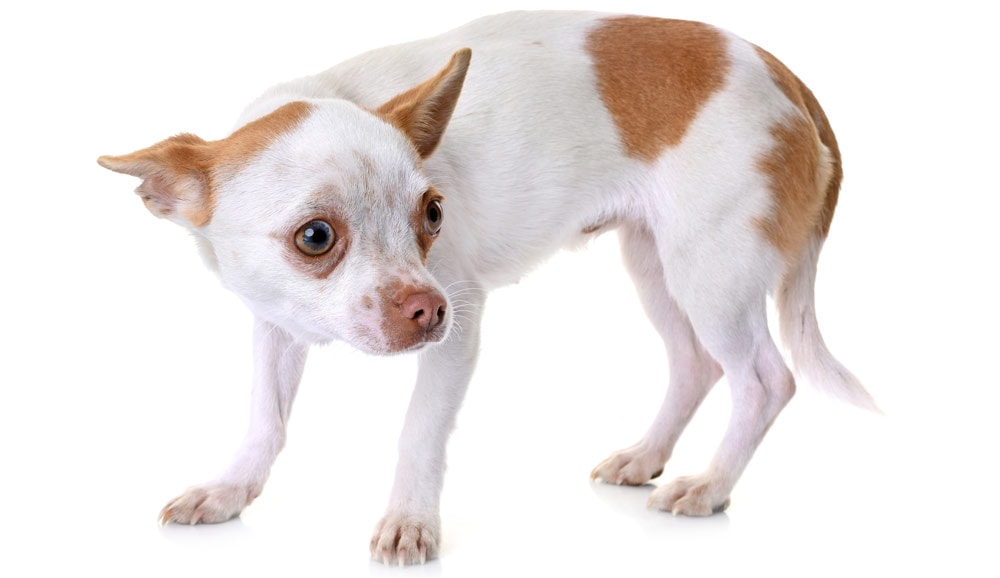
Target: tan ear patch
x,y
423,112
181,174
654,76
804,166
174,179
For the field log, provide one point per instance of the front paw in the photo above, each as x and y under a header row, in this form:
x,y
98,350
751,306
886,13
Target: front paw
x,y
406,538
208,504
691,496
631,467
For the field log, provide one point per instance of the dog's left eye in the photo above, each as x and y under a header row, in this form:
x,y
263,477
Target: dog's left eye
x,y
315,238
433,217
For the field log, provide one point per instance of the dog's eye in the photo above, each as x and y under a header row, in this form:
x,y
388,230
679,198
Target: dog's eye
x,y
315,238
433,217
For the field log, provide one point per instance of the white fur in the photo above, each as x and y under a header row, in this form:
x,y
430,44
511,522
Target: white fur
x,y
530,160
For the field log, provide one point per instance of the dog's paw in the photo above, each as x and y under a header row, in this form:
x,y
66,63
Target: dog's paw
x,y
208,504
690,496
406,538
631,467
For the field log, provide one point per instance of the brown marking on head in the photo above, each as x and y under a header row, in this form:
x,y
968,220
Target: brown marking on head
x,y
181,174
365,177
367,163
799,94
423,112
654,75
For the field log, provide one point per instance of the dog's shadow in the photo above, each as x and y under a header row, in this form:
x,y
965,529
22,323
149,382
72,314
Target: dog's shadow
x,y
630,503
186,535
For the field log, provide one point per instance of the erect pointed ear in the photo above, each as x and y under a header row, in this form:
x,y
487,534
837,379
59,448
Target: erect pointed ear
x,y
175,181
423,112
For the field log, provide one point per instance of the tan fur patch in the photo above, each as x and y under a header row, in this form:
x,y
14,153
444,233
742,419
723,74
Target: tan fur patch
x,y
181,173
423,112
793,166
235,151
249,140
654,76
805,178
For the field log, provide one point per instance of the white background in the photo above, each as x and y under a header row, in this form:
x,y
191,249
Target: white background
x,y
125,369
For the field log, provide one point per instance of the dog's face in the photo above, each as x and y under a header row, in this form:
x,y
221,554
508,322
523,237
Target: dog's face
x,y
328,237
318,215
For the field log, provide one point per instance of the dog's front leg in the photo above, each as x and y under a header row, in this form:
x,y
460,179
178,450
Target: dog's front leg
x,y
410,531
278,362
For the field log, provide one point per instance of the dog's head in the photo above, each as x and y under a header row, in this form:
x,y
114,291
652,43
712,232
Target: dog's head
x,y
318,215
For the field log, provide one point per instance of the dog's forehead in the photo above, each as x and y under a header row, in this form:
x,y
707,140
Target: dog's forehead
x,y
340,140
339,155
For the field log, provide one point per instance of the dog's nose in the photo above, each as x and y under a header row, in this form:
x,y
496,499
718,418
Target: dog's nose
x,y
426,309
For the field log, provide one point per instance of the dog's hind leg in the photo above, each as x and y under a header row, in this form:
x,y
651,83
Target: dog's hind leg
x,y
761,386
721,282
693,372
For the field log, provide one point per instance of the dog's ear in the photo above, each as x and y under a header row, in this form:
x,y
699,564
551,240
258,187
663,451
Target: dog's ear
x,y
174,175
423,112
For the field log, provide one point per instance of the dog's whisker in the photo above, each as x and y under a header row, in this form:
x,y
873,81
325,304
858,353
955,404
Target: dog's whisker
x,y
468,291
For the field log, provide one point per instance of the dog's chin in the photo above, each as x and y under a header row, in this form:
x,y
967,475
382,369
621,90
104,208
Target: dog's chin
x,y
384,350
385,347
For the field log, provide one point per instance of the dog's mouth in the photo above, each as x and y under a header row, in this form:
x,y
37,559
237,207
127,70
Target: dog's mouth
x,y
384,347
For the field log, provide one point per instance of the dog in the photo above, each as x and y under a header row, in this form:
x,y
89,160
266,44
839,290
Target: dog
x,y
378,203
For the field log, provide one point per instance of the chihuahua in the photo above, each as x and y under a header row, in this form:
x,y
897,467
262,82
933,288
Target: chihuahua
x,y
379,201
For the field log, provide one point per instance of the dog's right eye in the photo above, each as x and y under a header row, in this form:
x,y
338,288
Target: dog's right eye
x,y
315,238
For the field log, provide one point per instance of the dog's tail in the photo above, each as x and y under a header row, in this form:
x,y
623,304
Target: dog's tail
x,y
795,297
800,331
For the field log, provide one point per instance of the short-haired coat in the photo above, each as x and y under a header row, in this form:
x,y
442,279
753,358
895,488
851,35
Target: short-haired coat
x,y
379,201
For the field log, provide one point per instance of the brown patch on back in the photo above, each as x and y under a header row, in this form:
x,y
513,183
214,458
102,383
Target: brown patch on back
x,y
180,174
654,76
812,206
